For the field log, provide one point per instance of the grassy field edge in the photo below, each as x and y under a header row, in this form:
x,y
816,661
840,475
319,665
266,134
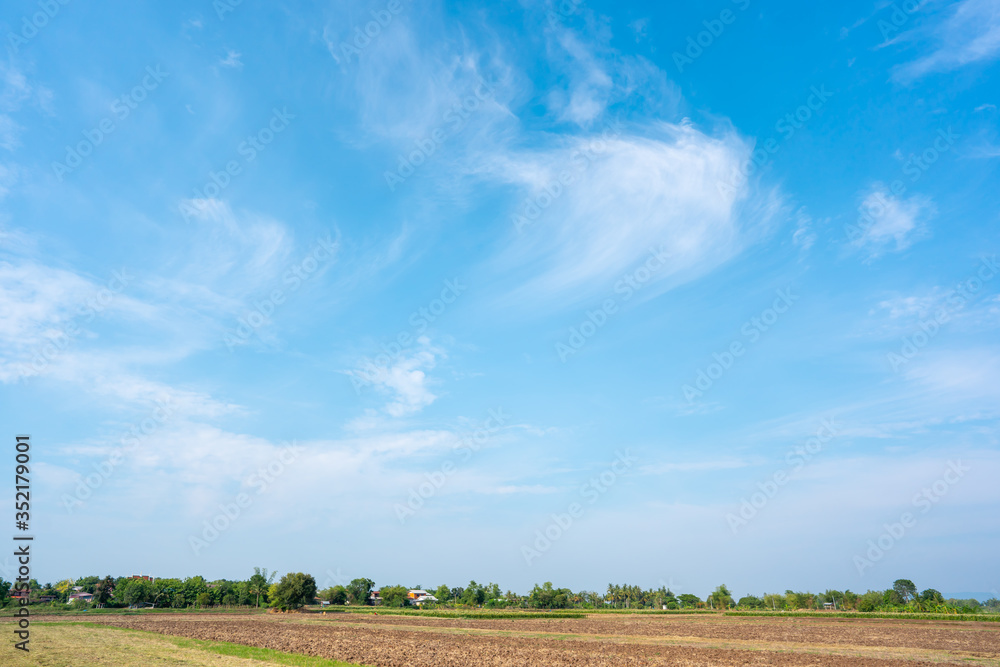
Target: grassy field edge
x,y
224,648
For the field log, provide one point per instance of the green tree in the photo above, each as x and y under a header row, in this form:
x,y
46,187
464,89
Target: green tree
x,y
133,591
243,595
163,591
442,593
104,591
905,589
359,590
394,596
931,596
870,601
336,595
295,590
794,600
473,595
63,587
890,598
192,587
4,591
547,597
688,600
89,583
203,599
721,598
260,582
750,602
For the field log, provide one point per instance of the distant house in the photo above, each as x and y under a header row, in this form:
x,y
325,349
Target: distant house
x,y
85,597
418,597
375,598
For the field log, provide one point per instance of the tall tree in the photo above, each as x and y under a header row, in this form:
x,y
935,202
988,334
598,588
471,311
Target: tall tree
x,y
721,598
260,582
905,589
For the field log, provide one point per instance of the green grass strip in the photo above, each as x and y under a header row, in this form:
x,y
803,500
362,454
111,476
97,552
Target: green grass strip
x,y
227,648
902,616
488,615
41,610
667,612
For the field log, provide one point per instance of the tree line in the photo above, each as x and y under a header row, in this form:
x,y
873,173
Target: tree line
x,y
297,589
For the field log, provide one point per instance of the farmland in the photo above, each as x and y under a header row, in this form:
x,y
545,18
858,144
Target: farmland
x,y
508,639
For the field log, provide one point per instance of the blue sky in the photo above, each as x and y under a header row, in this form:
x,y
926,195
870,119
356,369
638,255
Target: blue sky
x,y
673,294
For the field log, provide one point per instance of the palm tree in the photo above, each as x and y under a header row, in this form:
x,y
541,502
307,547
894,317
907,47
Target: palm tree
x,y
260,582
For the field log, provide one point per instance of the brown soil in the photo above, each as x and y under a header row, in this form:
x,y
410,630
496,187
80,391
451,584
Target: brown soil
x,y
597,640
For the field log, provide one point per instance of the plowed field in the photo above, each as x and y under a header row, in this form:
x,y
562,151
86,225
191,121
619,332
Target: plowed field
x,y
596,640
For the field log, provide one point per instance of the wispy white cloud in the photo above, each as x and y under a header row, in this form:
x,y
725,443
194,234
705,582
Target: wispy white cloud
x,y
10,133
590,85
970,33
669,187
511,489
666,468
232,59
405,380
889,220
804,235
